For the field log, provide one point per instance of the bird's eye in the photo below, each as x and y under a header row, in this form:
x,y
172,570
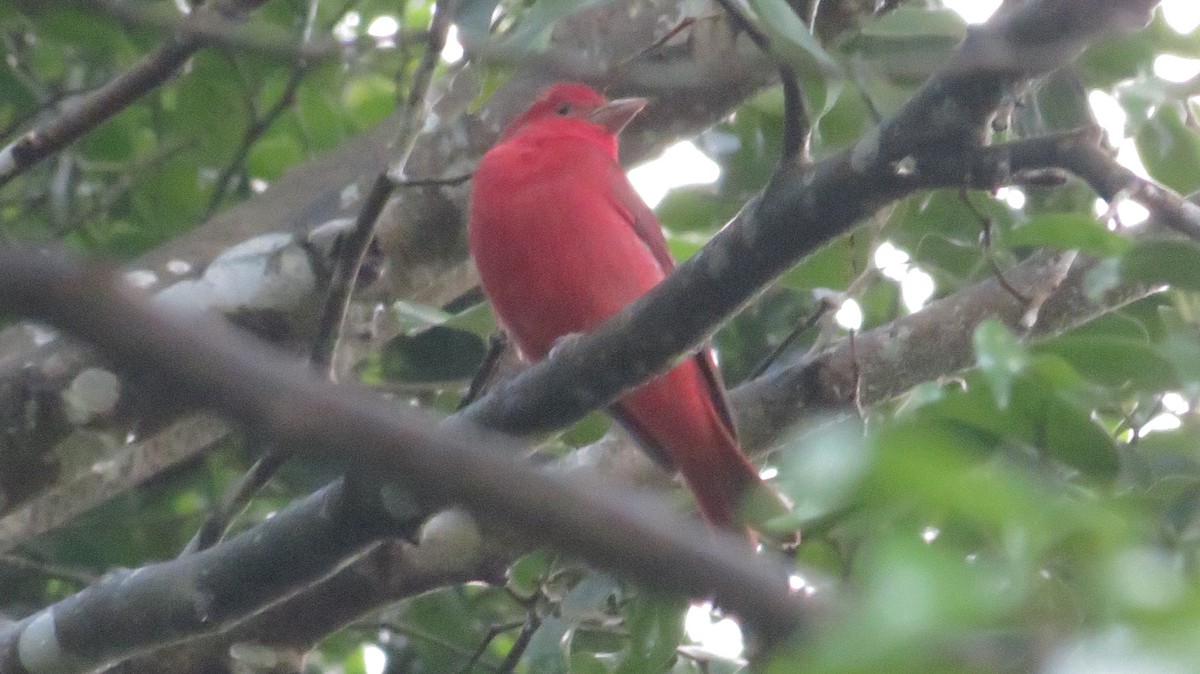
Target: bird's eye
x,y
563,109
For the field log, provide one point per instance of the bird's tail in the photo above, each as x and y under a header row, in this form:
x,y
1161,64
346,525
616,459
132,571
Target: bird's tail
x,y
679,420
729,491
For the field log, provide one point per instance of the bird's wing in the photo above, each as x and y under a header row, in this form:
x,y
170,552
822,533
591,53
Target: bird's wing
x,y
642,219
645,223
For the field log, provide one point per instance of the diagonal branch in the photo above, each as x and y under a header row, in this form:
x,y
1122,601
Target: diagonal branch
x,y
357,243
800,210
211,364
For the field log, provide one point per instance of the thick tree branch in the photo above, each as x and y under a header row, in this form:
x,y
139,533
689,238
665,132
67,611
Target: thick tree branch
x,y
934,342
210,364
1084,157
693,84
162,603
136,462
390,571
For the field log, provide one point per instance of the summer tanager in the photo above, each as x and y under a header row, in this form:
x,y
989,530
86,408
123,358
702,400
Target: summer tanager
x,y
562,242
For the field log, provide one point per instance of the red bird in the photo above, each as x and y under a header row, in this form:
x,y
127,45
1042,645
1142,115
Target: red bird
x,y
562,242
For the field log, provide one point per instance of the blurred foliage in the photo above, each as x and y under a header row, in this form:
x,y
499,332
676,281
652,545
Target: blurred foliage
x,y
1040,512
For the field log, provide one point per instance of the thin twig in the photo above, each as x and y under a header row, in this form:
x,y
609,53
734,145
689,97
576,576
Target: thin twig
x,y
796,123
985,229
71,574
347,267
216,526
823,306
493,632
350,251
253,133
357,244
434,182
518,648
271,458
216,29
825,336
497,344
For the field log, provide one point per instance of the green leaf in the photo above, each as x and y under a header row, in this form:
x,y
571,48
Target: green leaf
x,y
695,209
545,650
901,49
211,102
1068,231
478,320
1170,150
474,21
943,213
1058,104
791,40
1071,436
1175,263
533,30
271,157
819,469
355,663
526,574
112,141
1182,348
586,663
412,317
318,111
1000,357
912,23
587,430
683,245
369,99
170,197
1101,278
81,29
843,124
1114,361
445,620
433,355
1057,373
655,630
833,265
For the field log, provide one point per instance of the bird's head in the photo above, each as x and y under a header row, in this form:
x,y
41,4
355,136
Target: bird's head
x,y
578,110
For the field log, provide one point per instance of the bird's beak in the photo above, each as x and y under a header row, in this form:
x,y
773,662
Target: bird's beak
x,y
614,115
